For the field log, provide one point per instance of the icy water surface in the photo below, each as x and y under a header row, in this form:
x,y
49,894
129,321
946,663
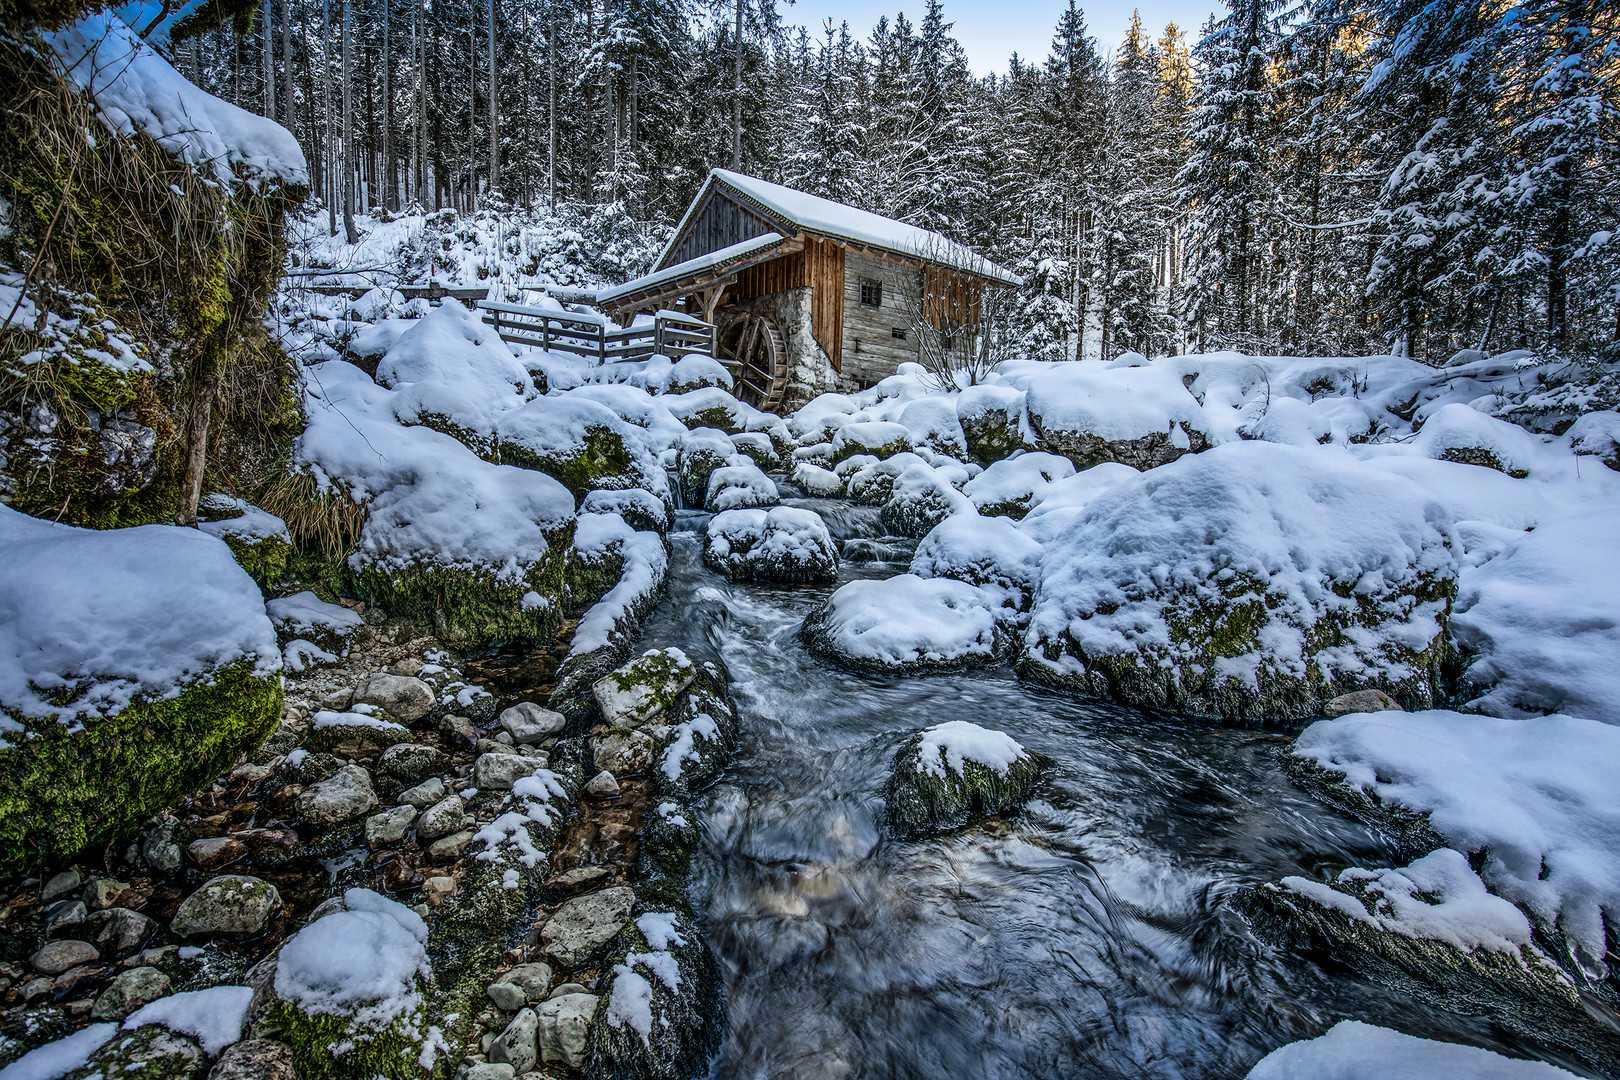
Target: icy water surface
x,y
1084,938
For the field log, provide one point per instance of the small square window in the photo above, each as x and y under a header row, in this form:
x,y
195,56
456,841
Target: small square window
x,y
872,293
898,333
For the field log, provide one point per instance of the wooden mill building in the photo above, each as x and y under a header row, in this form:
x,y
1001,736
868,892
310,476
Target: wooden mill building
x,y
810,295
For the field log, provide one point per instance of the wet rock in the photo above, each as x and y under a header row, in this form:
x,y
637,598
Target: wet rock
x,y
450,847
439,889
523,985
407,667
255,1059
515,1046
213,852
444,817
342,798
410,763
284,740
338,700
424,794
160,847
582,927
56,957
407,699
666,988
64,914
60,885
498,772
624,753
390,826
527,722
128,991
576,880
565,1021
602,786
103,893
566,989
459,730
122,929
495,746
229,904
643,688
1360,701
490,1070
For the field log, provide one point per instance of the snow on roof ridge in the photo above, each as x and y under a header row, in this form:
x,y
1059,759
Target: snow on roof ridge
x,y
816,214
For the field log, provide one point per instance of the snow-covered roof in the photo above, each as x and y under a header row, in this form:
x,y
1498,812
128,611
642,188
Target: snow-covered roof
x,y
811,213
712,261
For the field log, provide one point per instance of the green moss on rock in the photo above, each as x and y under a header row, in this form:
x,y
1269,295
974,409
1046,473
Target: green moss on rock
x,y
62,789
342,1048
922,802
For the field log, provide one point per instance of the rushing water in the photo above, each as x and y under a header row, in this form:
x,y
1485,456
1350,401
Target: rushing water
x,y
1084,938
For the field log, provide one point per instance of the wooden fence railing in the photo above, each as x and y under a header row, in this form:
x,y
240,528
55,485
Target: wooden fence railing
x,y
670,333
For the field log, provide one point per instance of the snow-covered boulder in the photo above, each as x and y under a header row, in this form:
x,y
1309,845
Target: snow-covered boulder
x,y
920,498
304,615
1251,584
1008,487
1094,412
989,552
880,439
581,443
873,482
635,406
739,487
1463,434
1597,434
455,375
950,775
1533,801
662,1011
478,548
817,482
780,544
1540,623
1352,1050
702,451
694,372
348,992
712,407
641,510
135,665
909,623
993,422
932,423
758,448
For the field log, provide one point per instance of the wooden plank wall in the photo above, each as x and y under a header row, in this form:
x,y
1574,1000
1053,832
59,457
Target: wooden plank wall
x,y
872,353
772,277
824,265
719,224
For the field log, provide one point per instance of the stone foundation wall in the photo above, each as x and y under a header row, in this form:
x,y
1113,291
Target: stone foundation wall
x,y
810,371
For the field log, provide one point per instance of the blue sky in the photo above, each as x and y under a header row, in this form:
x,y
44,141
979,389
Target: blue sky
x,y
992,30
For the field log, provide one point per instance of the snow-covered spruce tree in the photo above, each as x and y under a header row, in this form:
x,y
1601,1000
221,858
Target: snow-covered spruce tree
x,y
825,159
1044,321
1227,183
1435,276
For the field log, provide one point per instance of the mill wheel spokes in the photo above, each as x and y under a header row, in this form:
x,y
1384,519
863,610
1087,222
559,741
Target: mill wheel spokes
x,y
753,350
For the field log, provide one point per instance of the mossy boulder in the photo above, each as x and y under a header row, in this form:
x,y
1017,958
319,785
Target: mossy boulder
x,y
581,443
644,688
993,422
948,776
920,499
65,789
662,1011
259,540
147,1053
702,451
354,734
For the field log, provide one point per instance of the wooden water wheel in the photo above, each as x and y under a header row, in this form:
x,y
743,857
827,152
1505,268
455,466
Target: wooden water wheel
x,y
753,350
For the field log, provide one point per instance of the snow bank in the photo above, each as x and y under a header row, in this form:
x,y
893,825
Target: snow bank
x,y
452,370
1542,621
909,623
1462,434
1537,796
137,90
1352,1050
214,1017
101,617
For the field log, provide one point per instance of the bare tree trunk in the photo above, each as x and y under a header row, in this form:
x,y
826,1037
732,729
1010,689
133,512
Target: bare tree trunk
x,y
287,62
551,108
326,116
269,62
494,134
205,388
387,179
736,95
349,233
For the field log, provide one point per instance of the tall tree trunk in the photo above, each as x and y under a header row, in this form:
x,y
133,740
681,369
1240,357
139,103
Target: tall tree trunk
x,y
287,62
389,176
269,61
326,117
736,92
551,108
494,133
349,232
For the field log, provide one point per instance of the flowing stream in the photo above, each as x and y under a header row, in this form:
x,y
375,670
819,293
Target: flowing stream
x,y
1086,937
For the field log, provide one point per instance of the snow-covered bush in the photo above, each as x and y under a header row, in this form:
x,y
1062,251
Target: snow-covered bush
x,y
1250,583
